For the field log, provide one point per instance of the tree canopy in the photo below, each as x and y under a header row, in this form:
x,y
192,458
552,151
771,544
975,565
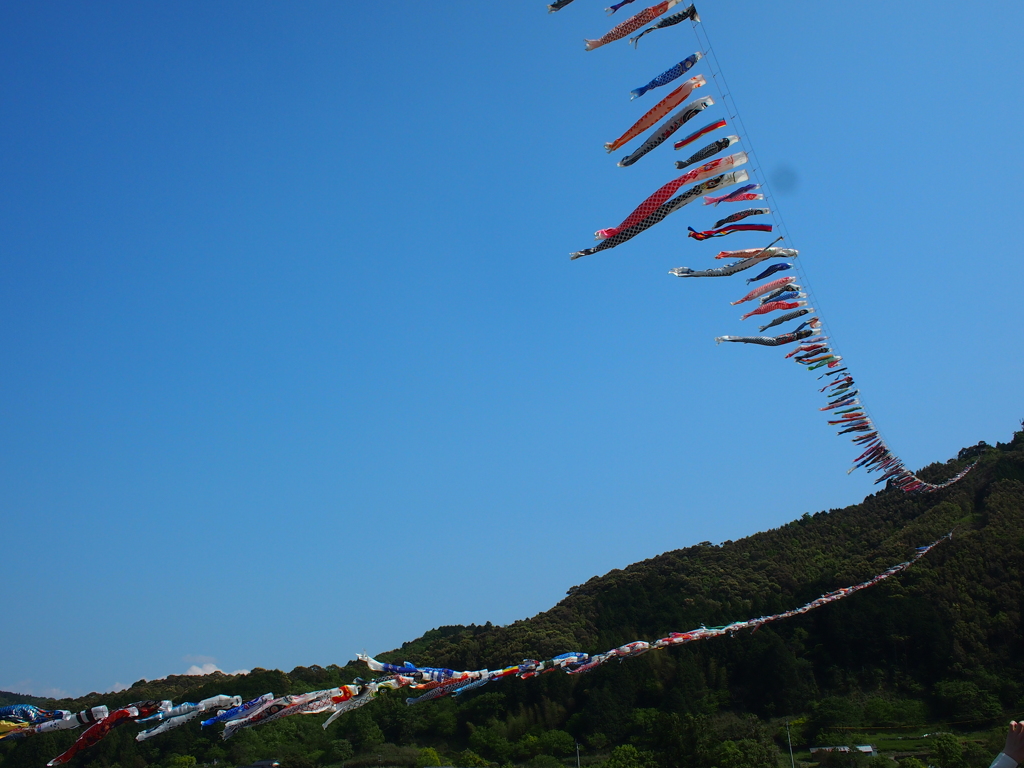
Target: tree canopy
x,y
941,642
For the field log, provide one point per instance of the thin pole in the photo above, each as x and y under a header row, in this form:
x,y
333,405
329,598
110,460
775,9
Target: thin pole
x,y
577,754
789,738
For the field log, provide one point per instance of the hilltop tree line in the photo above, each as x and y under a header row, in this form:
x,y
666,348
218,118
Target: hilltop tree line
x,y
940,643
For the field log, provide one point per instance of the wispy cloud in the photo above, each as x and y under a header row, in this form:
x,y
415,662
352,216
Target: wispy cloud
x,y
119,687
205,665
206,669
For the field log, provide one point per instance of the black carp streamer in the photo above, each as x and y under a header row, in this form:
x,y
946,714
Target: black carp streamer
x,y
428,683
663,210
875,454
814,351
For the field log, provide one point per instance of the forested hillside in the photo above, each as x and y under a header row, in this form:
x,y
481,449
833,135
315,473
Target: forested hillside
x,y
941,642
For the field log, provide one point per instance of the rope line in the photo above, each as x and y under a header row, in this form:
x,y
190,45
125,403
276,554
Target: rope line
x,y
721,86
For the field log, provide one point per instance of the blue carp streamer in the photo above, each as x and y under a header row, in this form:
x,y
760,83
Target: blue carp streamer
x,y
428,682
668,75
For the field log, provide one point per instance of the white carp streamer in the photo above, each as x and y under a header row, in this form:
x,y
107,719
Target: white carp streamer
x,y
430,682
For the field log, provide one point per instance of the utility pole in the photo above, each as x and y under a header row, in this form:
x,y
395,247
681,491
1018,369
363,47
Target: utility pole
x,y
577,754
789,738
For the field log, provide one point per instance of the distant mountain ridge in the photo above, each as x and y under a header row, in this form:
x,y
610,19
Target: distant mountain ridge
x,y
942,640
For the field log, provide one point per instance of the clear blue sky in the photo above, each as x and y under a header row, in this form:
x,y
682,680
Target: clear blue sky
x,y
295,363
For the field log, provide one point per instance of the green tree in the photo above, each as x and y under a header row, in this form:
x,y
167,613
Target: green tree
x,y
244,746
557,743
544,761
976,756
745,753
470,759
832,712
948,751
962,699
628,756
840,759
428,758
488,742
339,751
527,747
368,734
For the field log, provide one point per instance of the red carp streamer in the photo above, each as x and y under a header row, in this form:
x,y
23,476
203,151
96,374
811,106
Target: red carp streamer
x,y
746,253
722,232
761,290
578,662
658,111
648,206
98,731
743,194
436,682
771,306
631,24
654,209
697,134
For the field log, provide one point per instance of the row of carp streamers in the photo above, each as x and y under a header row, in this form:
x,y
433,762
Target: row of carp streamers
x,y
782,294
779,294
429,682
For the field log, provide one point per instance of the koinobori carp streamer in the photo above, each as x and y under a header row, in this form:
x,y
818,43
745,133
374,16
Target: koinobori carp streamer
x,y
670,126
659,214
742,254
99,730
435,682
787,293
668,75
815,351
632,24
578,662
773,306
648,206
658,111
768,341
741,194
785,319
669,21
704,153
740,215
658,206
176,716
763,289
770,271
723,231
738,266
709,128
